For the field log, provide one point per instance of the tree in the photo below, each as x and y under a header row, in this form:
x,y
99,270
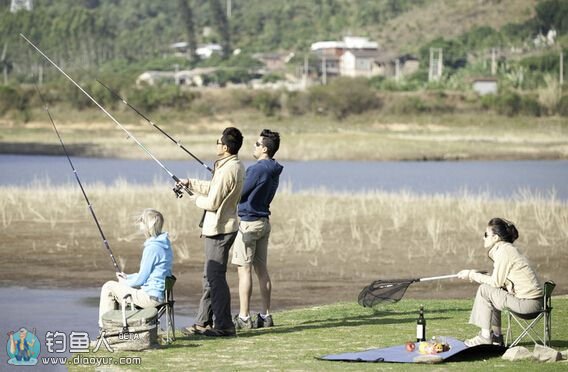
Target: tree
x,y
552,14
220,19
186,15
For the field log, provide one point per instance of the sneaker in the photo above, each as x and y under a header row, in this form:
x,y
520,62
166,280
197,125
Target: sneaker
x,y
215,332
477,340
497,340
242,324
261,322
195,329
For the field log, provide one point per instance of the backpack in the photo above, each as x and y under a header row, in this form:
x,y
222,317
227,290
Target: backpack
x,y
131,329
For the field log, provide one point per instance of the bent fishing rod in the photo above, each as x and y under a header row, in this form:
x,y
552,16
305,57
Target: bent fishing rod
x,y
154,125
179,186
90,206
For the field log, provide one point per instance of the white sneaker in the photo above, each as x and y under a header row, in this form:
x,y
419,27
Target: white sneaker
x,y
477,340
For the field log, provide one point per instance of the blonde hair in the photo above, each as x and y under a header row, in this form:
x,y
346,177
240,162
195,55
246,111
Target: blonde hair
x,y
152,222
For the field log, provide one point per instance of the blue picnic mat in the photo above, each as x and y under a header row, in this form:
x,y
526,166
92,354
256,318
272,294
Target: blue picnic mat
x,y
399,354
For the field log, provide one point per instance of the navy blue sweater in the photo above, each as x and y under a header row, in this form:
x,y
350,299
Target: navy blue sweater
x,y
261,182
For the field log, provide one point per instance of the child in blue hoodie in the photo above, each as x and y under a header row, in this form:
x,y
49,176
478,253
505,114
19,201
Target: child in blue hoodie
x,y
147,285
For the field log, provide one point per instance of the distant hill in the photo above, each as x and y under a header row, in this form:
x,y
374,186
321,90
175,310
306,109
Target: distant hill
x,y
449,18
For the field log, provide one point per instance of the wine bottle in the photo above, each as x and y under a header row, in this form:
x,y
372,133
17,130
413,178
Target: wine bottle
x,y
421,326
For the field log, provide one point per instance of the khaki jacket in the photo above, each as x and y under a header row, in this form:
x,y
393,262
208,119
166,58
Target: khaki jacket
x,y
220,196
512,270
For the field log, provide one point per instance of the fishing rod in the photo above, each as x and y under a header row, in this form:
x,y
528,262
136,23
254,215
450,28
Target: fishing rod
x,y
179,186
105,241
154,125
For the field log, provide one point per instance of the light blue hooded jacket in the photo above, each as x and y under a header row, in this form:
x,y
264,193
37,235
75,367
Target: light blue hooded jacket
x,y
155,266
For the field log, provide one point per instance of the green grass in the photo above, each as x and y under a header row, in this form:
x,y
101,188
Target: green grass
x,y
300,336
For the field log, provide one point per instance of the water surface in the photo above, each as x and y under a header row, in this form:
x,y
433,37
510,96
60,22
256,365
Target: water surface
x,y
495,178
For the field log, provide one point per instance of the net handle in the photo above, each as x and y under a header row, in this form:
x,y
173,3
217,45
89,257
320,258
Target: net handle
x,y
446,276
437,277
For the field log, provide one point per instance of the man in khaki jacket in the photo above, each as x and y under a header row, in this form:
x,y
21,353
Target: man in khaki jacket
x,y
219,199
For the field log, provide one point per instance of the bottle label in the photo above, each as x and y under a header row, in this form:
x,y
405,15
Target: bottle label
x,y
420,332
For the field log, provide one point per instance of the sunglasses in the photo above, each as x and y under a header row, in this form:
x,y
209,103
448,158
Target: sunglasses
x,y
219,142
258,144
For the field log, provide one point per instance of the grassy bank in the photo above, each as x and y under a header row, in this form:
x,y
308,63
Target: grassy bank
x,y
369,136
302,335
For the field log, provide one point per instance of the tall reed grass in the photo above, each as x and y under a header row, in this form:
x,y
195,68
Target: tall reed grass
x,y
315,234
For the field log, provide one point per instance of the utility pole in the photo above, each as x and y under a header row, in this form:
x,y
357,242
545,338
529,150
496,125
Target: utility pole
x,y
440,63
324,70
397,69
228,8
4,63
436,64
493,62
561,78
176,74
306,69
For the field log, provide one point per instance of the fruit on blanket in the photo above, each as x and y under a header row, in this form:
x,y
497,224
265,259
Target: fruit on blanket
x,y
432,347
424,347
410,346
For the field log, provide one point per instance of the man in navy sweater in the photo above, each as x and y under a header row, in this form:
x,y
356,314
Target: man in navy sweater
x,y
251,245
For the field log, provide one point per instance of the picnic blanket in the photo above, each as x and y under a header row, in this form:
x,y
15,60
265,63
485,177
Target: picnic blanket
x,y
399,354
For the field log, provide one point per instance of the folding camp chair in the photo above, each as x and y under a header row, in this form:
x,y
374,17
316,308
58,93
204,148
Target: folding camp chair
x,y
529,322
167,307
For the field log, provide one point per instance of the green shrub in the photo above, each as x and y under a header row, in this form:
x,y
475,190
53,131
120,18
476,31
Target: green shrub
x,y
17,101
297,103
272,78
562,107
9,98
409,105
242,97
508,104
151,98
267,102
530,106
343,97
512,104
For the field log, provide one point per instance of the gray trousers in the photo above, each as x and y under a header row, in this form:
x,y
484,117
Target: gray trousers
x,y
215,303
490,301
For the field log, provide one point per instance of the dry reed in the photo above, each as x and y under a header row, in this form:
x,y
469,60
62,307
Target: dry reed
x,y
355,236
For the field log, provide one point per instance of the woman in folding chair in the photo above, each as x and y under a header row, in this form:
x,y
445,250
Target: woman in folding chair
x,y
513,284
147,285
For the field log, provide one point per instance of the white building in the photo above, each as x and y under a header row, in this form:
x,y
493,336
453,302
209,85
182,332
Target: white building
x,y
485,85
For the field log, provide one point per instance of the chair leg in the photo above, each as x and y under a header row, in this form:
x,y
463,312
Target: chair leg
x,y
527,330
509,334
173,324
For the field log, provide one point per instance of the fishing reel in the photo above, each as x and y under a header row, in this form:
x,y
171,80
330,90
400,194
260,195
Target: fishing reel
x,y
177,189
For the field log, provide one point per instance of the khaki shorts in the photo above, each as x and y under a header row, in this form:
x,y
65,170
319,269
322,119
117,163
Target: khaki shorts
x,y
251,244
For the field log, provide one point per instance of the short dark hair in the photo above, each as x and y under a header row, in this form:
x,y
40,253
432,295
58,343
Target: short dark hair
x,y
233,139
504,229
271,140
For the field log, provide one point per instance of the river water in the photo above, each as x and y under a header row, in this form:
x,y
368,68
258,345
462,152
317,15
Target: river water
x,y
496,178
